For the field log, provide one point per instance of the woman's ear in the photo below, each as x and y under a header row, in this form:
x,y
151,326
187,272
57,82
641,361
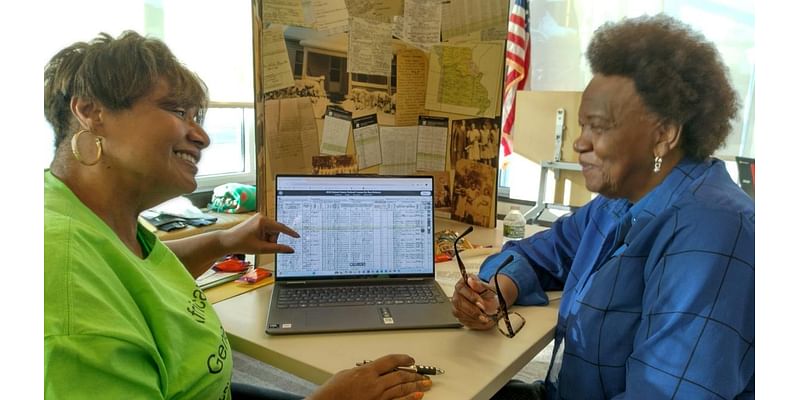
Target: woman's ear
x,y
669,137
87,112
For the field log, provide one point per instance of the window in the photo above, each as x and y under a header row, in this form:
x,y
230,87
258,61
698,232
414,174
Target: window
x,y
336,69
229,158
393,80
221,56
377,80
298,64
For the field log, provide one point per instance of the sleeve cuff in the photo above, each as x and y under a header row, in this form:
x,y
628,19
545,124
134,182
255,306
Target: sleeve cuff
x,y
520,272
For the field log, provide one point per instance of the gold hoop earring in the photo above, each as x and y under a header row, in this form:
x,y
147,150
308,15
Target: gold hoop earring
x,y
98,142
657,164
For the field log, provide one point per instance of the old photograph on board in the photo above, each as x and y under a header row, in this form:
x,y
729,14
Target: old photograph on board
x,y
473,193
475,139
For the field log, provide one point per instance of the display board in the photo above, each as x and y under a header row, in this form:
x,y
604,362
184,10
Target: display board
x,y
393,87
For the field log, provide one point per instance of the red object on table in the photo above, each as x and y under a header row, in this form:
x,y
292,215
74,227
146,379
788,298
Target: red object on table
x,y
255,275
442,258
231,264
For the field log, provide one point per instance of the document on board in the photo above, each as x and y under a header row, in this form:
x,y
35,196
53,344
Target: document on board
x,y
398,24
375,10
330,16
367,140
276,70
461,17
465,78
336,131
369,50
284,12
412,71
291,131
431,143
422,22
398,150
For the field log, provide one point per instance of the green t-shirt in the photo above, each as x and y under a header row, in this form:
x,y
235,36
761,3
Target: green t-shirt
x,y
120,327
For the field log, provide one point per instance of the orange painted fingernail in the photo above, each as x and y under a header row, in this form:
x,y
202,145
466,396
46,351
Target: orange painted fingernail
x,y
418,395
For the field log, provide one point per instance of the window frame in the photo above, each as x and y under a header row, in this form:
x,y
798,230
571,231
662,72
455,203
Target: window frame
x,y
248,176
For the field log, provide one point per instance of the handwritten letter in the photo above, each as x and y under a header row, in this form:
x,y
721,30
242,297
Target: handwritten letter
x,y
330,16
277,73
291,135
412,70
370,47
423,22
284,12
375,10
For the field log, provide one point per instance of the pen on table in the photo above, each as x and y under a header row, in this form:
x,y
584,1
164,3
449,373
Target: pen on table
x,y
420,369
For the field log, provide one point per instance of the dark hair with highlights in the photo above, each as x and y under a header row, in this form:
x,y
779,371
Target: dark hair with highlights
x,y
677,72
116,73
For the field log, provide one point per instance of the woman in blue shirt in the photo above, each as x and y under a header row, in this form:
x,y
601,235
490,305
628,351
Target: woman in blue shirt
x,y
657,271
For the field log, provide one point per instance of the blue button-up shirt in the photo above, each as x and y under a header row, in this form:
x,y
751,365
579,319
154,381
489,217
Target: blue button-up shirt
x,y
659,296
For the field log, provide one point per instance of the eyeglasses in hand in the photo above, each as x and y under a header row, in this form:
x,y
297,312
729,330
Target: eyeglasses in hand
x,y
511,322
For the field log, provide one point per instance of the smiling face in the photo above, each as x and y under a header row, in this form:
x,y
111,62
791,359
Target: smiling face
x,y
618,139
154,146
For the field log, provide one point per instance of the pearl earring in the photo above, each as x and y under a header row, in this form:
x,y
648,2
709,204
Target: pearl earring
x,y
657,164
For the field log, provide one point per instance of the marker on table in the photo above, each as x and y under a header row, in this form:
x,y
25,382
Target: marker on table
x,y
420,369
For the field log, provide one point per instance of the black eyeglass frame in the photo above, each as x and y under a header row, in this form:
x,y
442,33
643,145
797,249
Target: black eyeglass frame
x,y
460,263
503,312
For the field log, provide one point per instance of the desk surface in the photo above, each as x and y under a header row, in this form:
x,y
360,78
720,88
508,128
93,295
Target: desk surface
x,y
476,363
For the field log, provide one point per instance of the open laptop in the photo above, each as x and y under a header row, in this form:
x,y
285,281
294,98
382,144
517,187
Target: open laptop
x,y
364,259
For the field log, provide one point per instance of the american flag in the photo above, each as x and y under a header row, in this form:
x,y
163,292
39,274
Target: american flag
x,y
516,66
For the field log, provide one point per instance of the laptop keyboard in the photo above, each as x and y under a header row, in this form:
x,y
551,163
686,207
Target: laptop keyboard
x,y
358,295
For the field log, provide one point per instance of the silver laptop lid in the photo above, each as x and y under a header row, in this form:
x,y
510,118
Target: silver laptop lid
x,y
354,227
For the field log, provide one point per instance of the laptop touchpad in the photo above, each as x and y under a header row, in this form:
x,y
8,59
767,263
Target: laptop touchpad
x,y
341,317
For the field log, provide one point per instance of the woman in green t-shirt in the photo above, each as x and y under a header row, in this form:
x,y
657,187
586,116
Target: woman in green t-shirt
x,y
123,315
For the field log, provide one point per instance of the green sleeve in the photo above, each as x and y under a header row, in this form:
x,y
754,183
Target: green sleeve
x,y
111,369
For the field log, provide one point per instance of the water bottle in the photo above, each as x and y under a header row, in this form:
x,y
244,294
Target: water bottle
x,y
513,225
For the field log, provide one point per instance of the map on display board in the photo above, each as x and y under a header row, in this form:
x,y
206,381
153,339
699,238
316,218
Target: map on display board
x,y
465,78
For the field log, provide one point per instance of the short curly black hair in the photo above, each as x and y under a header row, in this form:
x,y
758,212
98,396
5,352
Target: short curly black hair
x,y
677,72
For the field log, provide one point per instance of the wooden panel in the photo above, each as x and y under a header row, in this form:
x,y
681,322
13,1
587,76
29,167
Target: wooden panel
x,y
534,136
534,126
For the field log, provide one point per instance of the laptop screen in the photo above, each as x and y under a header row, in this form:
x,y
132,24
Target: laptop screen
x,y
355,226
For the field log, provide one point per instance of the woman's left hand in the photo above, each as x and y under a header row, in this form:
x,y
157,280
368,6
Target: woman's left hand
x,y
257,235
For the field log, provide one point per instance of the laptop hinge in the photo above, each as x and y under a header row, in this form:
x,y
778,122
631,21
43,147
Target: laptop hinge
x,y
415,279
294,283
